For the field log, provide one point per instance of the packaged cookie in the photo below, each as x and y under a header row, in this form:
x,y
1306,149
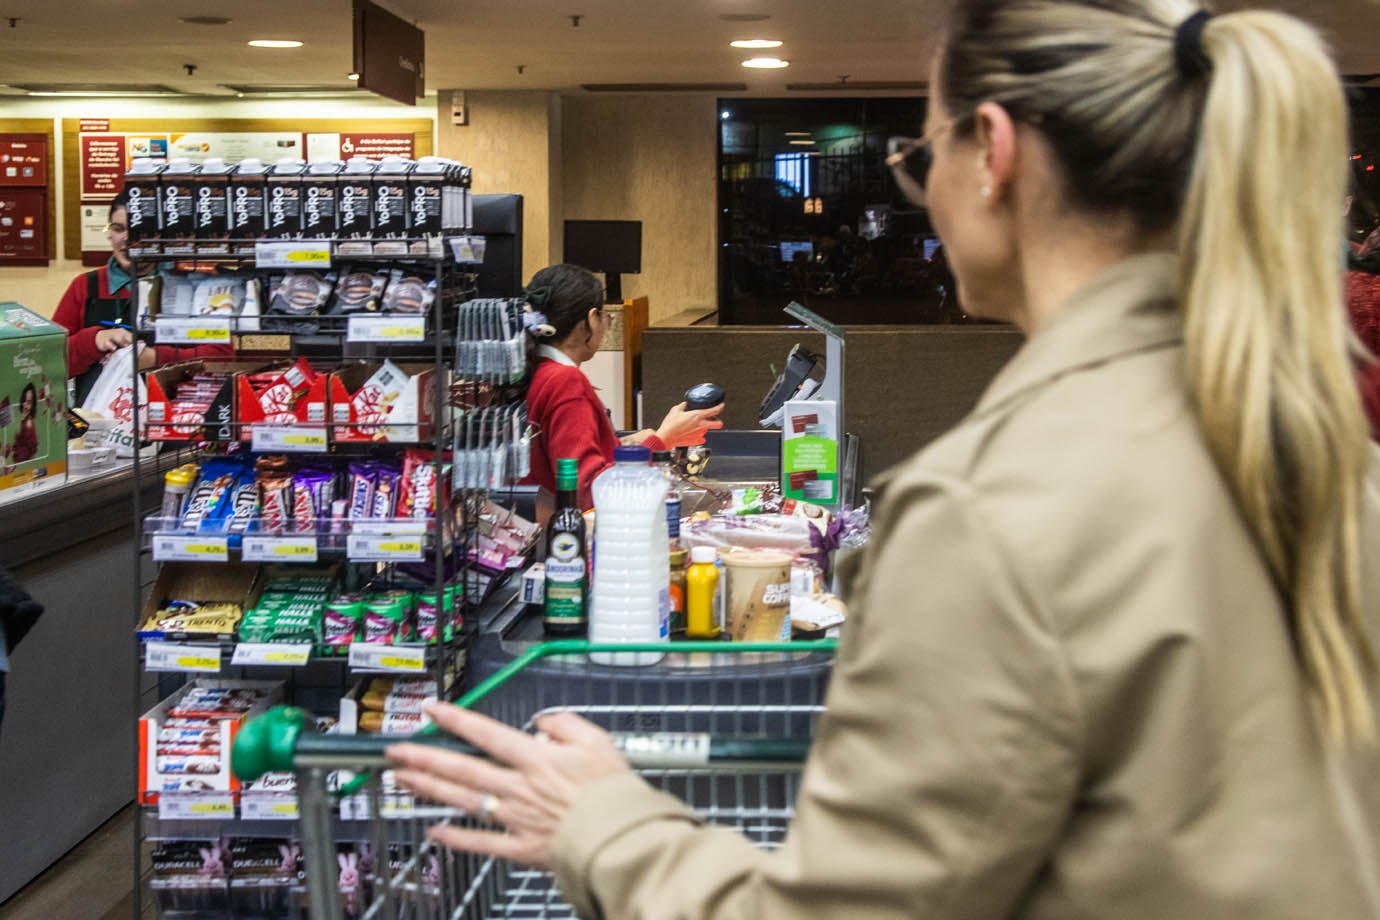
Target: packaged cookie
x,y
295,296
408,293
359,290
218,296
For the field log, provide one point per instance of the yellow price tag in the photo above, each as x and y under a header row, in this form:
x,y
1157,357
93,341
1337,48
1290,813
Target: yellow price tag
x,y
285,809
282,658
209,335
412,546
211,808
311,257
293,549
305,440
199,664
204,549
397,332
402,664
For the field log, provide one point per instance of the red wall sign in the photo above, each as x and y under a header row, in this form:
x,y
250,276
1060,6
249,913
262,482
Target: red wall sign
x,y
23,159
23,225
102,165
376,146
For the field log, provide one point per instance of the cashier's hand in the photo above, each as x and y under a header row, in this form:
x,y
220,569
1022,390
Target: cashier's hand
x,y
528,785
107,340
684,427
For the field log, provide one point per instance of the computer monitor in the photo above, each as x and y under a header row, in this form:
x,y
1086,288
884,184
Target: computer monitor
x,y
498,218
612,247
790,248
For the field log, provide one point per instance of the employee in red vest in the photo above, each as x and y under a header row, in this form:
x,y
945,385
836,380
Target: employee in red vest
x,y
96,313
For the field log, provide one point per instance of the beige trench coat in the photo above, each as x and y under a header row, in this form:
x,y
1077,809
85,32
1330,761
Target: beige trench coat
x,y
1066,690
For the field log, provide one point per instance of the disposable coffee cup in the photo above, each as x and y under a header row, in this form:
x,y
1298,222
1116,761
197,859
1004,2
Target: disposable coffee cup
x,y
758,595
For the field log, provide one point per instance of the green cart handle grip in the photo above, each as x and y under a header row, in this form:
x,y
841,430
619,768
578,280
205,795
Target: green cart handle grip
x,y
269,743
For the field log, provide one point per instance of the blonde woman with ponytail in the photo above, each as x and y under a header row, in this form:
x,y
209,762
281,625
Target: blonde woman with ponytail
x,y
1112,651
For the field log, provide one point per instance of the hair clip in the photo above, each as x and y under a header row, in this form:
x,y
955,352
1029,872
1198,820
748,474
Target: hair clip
x,y
537,297
535,323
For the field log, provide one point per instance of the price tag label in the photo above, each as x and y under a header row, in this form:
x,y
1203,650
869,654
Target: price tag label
x,y
172,656
257,809
201,806
278,549
190,549
191,330
403,659
292,254
369,547
277,654
289,439
387,329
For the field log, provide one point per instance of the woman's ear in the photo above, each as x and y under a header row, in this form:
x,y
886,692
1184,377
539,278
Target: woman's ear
x,y
996,138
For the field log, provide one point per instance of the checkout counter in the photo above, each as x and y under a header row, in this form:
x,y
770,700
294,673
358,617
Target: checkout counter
x,y
67,742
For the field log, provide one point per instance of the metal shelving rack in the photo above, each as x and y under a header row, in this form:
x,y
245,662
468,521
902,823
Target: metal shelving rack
x,y
331,336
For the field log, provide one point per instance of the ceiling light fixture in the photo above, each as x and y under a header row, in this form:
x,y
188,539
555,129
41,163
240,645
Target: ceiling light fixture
x,y
799,143
798,134
756,43
205,20
352,76
275,43
766,63
744,17
101,94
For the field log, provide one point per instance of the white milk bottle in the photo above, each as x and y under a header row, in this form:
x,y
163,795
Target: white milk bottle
x,y
631,599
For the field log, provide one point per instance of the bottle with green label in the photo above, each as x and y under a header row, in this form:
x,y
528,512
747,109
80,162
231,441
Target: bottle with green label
x,y
567,591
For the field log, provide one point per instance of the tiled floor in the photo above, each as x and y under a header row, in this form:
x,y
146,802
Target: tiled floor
x,y
93,882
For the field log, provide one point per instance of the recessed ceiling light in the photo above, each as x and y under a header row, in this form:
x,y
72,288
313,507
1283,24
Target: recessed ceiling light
x,y
756,43
766,63
275,43
352,76
744,17
800,143
205,20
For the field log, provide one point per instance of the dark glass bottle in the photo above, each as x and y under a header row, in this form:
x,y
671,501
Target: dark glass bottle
x,y
567,574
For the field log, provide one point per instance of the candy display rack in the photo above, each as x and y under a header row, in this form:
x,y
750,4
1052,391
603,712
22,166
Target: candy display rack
x,y
211,838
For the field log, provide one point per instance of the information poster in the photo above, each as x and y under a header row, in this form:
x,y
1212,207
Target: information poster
x,y
368,145
232,147
23,220
24,159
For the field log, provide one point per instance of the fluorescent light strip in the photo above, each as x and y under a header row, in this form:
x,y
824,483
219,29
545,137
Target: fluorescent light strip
x,y
275,43
766,63
756,43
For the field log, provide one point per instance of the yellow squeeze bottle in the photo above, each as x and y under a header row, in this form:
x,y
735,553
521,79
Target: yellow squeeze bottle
x,y
701,586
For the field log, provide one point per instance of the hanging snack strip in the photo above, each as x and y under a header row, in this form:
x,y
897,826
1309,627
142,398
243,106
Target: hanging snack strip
x,y
492,344
493,447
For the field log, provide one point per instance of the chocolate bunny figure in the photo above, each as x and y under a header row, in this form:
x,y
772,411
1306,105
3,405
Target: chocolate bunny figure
x,y
212,862
349,880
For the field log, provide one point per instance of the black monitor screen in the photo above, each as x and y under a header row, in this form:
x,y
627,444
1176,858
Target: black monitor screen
x,y
610,246
498,218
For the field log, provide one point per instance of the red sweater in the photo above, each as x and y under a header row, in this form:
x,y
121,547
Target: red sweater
x,y
571,422
82,352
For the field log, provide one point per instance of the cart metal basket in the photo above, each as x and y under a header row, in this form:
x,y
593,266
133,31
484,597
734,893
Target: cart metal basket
x,y
725,727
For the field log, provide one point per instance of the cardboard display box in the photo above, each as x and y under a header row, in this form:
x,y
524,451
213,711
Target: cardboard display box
x,y
193,581
367,404
33,397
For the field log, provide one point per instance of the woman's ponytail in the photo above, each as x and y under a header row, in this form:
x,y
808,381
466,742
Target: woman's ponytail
x,y
1267,341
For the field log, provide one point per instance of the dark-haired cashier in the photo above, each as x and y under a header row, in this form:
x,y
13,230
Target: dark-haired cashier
x,y
96,313
562,403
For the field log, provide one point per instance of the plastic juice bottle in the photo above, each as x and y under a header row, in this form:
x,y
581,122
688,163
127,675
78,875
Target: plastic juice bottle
x,y
567,597
701,587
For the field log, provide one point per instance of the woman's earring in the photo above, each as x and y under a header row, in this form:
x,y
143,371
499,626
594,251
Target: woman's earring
x,y
985,191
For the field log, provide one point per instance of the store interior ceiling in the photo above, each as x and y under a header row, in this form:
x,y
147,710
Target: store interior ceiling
x,y
112,45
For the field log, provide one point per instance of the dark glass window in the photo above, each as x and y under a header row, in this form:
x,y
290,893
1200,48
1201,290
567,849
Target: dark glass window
x,y
808,212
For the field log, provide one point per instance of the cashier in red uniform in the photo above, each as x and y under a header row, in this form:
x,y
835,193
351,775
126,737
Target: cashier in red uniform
x,y
96,313
567,325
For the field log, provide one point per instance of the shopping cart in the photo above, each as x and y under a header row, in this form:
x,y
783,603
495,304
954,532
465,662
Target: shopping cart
x,y
725,727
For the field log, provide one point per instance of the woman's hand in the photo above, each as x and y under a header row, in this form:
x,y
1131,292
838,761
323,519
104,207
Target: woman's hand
x,y
527,787
108,340
684,427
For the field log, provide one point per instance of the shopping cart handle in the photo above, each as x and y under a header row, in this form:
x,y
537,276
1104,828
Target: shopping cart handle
x,y
266,744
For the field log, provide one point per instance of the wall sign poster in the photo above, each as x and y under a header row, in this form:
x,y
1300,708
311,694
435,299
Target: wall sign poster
x,y
102,165
23,225
232,147
24,159
373,146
